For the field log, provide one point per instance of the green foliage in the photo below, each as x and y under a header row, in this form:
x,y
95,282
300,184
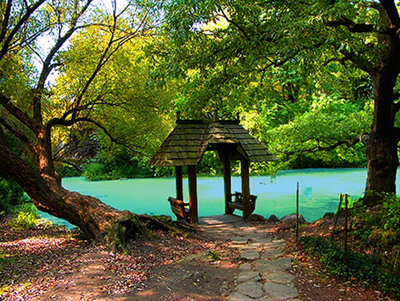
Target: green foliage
x,y
383,222
160,171
320,137
25,216
391,211
214,255
132,111
96,171
65,170
10,194
210,165
117,165
264,60
358,267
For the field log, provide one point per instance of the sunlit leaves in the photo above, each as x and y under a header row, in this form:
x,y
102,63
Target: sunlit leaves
x,y
121,97
329,124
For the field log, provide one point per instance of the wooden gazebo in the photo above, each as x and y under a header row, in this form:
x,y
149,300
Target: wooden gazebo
x,y
188,142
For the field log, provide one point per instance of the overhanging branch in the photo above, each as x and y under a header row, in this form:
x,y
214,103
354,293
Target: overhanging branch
x,y
347,142
8,39
353,27
17,113
18,134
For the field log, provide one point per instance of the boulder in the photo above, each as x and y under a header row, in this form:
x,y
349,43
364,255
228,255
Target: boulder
x,y
255,218
273,218
329,215
291,219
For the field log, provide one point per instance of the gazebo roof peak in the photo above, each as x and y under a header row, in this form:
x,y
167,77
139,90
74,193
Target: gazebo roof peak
x,y
215,118
190,139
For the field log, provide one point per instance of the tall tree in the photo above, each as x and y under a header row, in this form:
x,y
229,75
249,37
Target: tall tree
x,y
40,31
231,42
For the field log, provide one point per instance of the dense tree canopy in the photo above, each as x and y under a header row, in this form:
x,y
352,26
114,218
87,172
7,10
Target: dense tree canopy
x,y
283,56
101,91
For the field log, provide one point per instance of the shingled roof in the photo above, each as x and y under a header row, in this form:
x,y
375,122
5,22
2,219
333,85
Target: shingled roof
x,y
190,139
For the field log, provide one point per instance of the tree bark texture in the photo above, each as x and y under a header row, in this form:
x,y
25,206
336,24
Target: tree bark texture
x,y
381,148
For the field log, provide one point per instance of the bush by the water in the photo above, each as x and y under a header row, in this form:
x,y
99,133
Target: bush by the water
x,y
24,216
120,165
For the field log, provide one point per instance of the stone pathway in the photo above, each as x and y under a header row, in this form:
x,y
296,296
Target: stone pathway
x,y
265,273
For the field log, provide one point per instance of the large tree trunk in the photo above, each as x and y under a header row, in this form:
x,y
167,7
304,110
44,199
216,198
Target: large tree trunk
x,y
382,167
381,149
86,212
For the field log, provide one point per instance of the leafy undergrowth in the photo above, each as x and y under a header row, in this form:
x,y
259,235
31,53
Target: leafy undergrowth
x,y
323,269
38,261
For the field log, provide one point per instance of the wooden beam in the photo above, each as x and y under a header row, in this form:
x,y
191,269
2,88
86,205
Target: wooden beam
x,y
245,174
194,218
227,181
179,182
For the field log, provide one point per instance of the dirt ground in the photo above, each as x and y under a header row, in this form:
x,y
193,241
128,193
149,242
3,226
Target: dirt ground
x,y
50,264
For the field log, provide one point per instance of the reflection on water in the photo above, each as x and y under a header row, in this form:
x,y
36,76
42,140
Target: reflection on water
x,y
319,192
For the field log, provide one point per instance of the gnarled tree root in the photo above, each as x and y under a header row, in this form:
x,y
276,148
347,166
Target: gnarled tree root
x,y
130,225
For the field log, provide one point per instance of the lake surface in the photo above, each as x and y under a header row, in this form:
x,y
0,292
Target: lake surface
x,y
319,192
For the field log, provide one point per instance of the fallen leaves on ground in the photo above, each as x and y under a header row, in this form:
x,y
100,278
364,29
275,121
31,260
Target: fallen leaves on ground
x,y
33,262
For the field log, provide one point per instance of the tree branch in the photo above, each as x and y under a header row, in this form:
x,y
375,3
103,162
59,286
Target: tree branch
x,y
47,65
57,121
2,137
348,142
17,113
6,18
359,61
233,23
21,136
353,27
18,26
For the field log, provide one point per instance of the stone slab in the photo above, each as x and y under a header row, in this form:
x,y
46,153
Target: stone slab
x,y
271,253
220,219
251,289
266,267
259,239
280,291
249,254
279,277
235,296
248,276
239,240
245,267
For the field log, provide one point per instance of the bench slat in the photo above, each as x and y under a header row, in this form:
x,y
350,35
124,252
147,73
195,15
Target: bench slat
x,y
238,203
179,208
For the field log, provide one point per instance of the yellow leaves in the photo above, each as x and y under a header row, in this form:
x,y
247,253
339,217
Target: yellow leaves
x,y
218,22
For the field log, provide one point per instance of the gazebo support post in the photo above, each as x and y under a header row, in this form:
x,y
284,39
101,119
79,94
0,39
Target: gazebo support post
x,y
179,182
227,182
245,174
194,218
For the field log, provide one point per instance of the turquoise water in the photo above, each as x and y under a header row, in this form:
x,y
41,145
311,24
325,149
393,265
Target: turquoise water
x,y
319,192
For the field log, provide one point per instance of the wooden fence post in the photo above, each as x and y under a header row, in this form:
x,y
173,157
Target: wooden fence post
x,y
297,212
345,229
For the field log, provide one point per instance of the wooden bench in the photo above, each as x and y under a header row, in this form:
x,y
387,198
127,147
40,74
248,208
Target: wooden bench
x,y
180,209
238,202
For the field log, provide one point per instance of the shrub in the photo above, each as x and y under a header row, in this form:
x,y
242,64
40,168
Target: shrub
x,y
357,266
391,210
25,216
95,171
